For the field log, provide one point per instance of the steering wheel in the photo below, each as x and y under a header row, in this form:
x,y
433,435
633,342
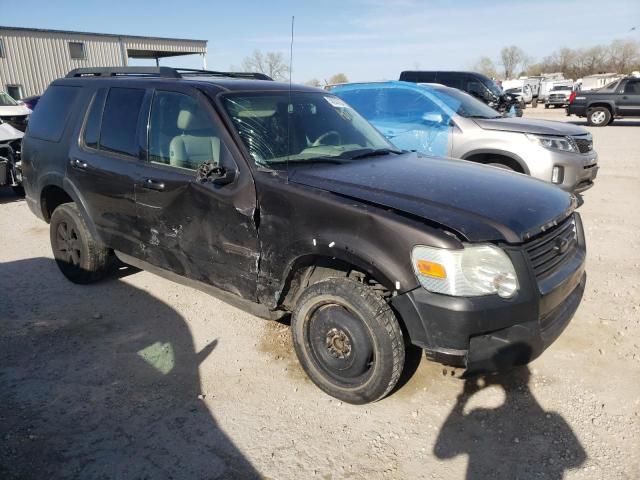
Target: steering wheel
x,y
318,141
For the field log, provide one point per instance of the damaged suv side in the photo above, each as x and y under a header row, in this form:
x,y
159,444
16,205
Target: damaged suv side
x,y
283,200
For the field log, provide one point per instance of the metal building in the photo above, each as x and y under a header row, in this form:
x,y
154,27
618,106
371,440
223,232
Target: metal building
x,y
31,58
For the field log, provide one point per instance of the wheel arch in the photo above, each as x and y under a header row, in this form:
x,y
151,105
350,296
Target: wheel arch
x,y
609,106
484,155
55,191
311,268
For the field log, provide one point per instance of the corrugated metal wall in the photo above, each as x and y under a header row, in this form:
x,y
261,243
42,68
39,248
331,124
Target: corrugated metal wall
x,y
33,58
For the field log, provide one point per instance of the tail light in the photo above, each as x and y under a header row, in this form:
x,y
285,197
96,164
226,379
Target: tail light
x,y
572,97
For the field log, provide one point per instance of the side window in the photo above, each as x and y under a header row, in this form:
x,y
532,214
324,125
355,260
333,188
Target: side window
x,y
407,106
632,86
181,132
120,121
48,121
92,125
453,80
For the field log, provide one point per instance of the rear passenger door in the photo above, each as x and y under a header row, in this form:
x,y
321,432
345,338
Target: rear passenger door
x,y
196,229
102,164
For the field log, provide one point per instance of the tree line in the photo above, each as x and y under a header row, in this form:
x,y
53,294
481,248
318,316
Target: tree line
x,y
274,65
620,56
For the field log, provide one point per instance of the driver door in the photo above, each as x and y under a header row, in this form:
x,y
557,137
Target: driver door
x,y
195,228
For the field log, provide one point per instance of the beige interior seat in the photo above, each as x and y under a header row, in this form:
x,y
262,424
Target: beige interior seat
x,y
196,144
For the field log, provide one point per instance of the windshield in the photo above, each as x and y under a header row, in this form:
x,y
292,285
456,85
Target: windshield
x,y
463,104
283,127
561,87
494,88
6,100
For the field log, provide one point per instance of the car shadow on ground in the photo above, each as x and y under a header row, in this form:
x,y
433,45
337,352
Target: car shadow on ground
x,y
540,444
101,381
8,196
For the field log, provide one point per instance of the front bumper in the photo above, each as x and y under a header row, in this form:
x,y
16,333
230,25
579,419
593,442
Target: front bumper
x,y
484,334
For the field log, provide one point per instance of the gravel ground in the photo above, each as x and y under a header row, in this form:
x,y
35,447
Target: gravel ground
x,y
138,377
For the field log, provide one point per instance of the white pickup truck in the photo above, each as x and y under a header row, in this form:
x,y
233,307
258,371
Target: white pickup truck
x,y
558,96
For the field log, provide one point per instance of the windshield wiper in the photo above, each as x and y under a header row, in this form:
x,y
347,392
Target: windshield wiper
x,y
378,152
335,160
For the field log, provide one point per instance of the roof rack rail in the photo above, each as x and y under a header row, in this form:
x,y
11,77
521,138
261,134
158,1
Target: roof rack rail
x,y
163,72
249,75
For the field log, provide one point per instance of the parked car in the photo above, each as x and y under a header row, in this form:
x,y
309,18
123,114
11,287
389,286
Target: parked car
x,y
446,122
476,84
10,157
13,113
282,199
31,102
559,96
620,99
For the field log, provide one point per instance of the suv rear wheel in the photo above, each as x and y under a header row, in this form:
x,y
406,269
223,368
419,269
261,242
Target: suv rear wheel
x,y
598,116
348,340
80,258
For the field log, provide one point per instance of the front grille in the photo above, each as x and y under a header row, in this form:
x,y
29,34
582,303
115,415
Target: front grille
x,y
548,252
557,97
585,145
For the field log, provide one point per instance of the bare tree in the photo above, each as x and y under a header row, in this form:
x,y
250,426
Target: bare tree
x,y
512,57
624,55
271,63
485,66
314,82
338,78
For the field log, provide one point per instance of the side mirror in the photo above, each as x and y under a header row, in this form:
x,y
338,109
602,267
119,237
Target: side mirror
x,y
433,117
218,175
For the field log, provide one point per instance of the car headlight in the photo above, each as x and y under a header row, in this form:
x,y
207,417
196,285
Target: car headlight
x,y
564,144
470,272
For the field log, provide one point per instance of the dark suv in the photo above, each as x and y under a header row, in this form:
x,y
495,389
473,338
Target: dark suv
x,y
476,84
283,200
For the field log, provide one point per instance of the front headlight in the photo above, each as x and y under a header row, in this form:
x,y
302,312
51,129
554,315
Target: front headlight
x,y
564,144
473,271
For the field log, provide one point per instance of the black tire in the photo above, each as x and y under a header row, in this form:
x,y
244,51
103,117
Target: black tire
x,y
348,340
598,116
80,258
534,103
546,105
18,190
611,121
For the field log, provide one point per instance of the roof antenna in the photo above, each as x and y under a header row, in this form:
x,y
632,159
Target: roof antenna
x,y
289,105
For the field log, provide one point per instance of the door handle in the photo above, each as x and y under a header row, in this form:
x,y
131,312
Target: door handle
x,y
78,163
152,184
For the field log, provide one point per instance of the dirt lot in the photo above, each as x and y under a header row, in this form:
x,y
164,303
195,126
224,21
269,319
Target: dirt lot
x,y
137,377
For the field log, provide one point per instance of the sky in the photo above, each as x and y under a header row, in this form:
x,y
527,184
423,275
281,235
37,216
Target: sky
x,y
365,39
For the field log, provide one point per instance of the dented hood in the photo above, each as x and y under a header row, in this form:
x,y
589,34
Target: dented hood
x,y
478,202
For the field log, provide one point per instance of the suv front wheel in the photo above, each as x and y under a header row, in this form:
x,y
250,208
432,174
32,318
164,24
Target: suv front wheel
x,y
80,258
348,340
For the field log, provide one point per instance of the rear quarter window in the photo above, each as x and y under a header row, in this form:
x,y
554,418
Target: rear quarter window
x,y
49,120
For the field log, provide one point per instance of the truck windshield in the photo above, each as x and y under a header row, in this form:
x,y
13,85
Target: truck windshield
x,y
281,127
6,100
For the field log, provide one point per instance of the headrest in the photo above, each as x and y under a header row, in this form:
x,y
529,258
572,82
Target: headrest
x,y
189,120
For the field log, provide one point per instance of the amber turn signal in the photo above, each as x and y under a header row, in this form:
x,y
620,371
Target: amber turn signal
x,y
431,269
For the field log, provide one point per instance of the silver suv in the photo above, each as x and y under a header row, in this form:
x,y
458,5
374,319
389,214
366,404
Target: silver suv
x,y
447,122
